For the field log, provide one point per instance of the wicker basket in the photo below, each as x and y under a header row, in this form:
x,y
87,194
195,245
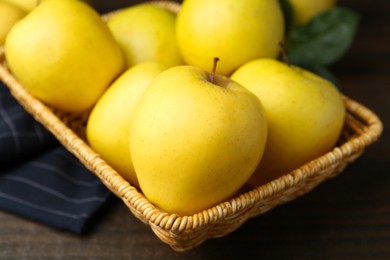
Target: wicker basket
x,y
362,128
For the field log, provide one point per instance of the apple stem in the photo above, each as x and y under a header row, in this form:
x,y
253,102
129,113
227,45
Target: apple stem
x,y
282,48
213,72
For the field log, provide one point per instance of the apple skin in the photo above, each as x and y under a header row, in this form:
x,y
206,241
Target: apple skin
x,y
9,15
305,10
235,31
305,115
195,143
64,54
109,122
26,5
146,32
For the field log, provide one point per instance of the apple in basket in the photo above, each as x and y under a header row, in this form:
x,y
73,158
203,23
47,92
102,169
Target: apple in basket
x,y
108,124
305,115
64,54
146,32
195,139
305,10
25,5
9,15
235,31
28,5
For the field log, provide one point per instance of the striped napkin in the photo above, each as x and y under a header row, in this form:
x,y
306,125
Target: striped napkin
x,y
41,180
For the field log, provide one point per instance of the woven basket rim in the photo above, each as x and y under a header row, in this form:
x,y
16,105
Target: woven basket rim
x,y
136,201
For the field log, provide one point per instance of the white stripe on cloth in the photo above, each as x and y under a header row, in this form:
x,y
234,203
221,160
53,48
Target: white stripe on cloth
x,y
65,175
11,126
42,208
51,191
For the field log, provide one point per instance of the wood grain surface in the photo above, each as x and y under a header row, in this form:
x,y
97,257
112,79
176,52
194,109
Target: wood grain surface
x,y
347,217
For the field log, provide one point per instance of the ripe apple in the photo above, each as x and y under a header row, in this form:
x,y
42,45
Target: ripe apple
x,y
305,10
305,115
26,5
64,54
9,15
195,139
146,32
109,122
235,31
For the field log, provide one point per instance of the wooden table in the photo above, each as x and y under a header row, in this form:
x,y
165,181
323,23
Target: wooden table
x,y
346,217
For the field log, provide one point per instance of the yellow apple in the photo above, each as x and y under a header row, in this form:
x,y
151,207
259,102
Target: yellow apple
x,y
26,5
9,15
146,32
305,10
305,115
64,54
235,31
109,122
194,140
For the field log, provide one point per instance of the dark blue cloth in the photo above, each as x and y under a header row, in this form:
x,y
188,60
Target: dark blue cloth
x,y
41,180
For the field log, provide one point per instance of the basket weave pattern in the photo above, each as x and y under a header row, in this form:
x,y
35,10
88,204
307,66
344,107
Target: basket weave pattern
x,y
362,128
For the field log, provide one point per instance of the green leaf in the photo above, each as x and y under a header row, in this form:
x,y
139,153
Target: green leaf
x,y
324,39
287,14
